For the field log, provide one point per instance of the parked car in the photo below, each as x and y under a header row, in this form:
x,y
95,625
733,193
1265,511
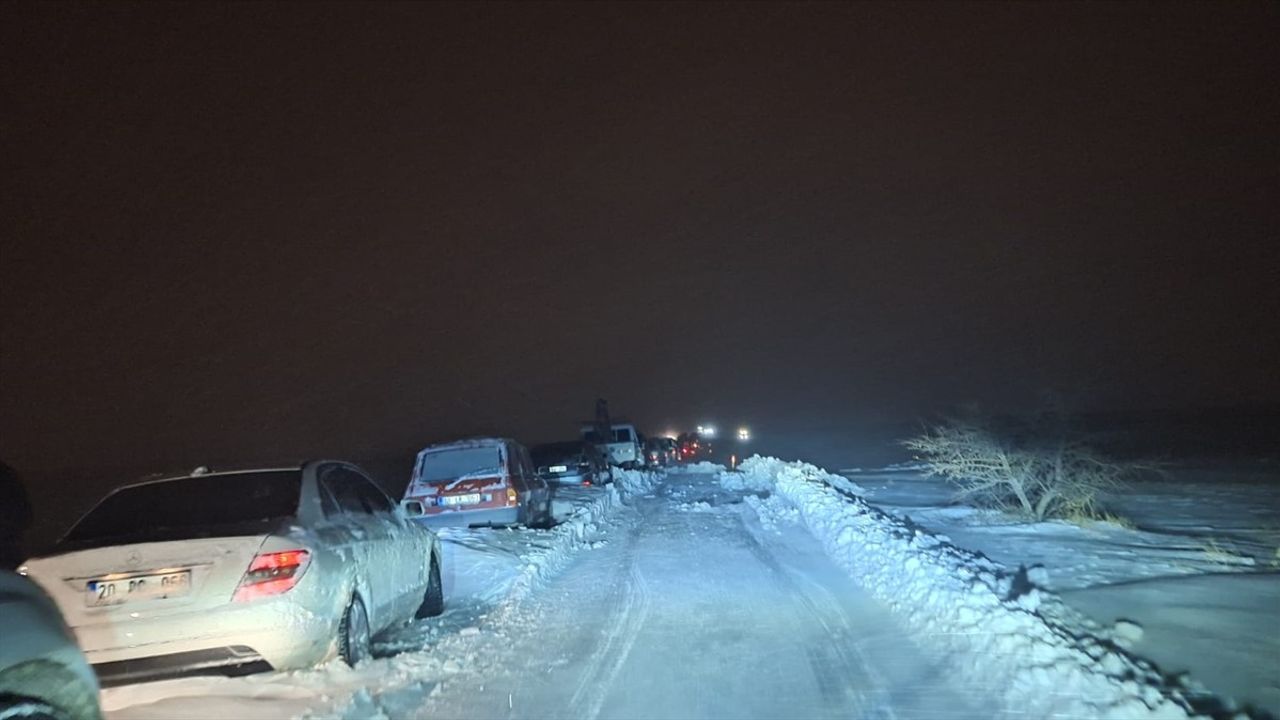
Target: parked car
x,y
487,482
43,674
576,462
240,571
672,449
691,447
624,447
660,452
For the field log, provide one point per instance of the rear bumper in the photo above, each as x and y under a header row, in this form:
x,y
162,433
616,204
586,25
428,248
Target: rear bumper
x,y
227,660
279,633
471,518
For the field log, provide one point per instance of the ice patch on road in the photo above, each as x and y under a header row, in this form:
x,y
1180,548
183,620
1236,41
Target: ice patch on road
x,y
994,628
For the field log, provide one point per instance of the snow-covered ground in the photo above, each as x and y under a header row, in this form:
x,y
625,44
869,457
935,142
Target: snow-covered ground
x,y
1194,565
486,574
773,592
654,601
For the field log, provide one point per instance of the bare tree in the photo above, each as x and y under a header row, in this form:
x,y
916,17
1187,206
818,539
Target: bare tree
x,y
1034,478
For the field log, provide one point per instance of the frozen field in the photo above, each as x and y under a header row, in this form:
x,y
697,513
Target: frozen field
x,y
1194,564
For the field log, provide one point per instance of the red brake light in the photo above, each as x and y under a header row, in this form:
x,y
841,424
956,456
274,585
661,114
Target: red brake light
x,y
272,573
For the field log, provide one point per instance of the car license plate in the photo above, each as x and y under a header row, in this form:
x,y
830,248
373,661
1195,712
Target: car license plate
x,y
558,468
117,591
468,499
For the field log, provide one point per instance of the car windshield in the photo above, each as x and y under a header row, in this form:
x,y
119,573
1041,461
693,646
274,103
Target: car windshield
x,y
451,464
190,507
557,452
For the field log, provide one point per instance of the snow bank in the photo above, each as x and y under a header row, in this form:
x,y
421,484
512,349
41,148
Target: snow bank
x,y
635,482
703,467
577,530
993,628
758,473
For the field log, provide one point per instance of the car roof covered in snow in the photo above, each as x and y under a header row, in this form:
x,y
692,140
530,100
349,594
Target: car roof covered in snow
x,y
212,473
465,444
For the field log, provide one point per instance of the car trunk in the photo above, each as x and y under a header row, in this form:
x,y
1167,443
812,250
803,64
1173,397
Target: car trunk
x,y
107,585
468,494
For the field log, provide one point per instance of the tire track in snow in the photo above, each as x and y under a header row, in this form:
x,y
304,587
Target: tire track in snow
x,y
606,662
832,665
824,606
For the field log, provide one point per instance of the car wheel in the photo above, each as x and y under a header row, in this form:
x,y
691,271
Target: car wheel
x,y
353,633
20,708
433,601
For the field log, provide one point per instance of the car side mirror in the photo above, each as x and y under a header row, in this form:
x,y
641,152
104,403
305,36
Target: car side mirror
x,y
412,508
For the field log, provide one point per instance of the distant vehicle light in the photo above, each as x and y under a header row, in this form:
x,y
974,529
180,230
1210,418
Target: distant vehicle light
x,y
744,434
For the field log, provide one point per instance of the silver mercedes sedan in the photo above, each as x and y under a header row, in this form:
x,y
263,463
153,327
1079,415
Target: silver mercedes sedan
x,y
239,572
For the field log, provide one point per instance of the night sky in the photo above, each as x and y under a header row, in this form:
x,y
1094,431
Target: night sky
x,y
277,231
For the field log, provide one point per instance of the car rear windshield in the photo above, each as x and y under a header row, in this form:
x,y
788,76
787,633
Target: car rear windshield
x,y
190,507
443,465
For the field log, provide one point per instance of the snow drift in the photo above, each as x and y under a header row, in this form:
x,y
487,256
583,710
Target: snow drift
x,y
702,466
992,627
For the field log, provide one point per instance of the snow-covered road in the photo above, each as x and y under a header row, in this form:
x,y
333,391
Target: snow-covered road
x,y
692,610
676,604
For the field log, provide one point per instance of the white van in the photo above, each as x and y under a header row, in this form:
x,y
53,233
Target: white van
x,y
623,448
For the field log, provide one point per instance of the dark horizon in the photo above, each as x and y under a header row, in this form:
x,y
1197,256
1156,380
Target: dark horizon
x,y
284,231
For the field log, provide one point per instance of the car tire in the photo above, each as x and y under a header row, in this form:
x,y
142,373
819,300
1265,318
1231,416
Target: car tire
x,y
433,599
21,708
353,633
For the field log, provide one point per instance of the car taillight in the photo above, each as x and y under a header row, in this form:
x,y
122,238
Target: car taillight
x,y
511,496
272,573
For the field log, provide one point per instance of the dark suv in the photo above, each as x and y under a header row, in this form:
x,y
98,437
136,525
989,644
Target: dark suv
x,y
575,462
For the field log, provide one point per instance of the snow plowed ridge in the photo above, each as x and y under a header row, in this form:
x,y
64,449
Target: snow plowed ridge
x,y
572,533
990,626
